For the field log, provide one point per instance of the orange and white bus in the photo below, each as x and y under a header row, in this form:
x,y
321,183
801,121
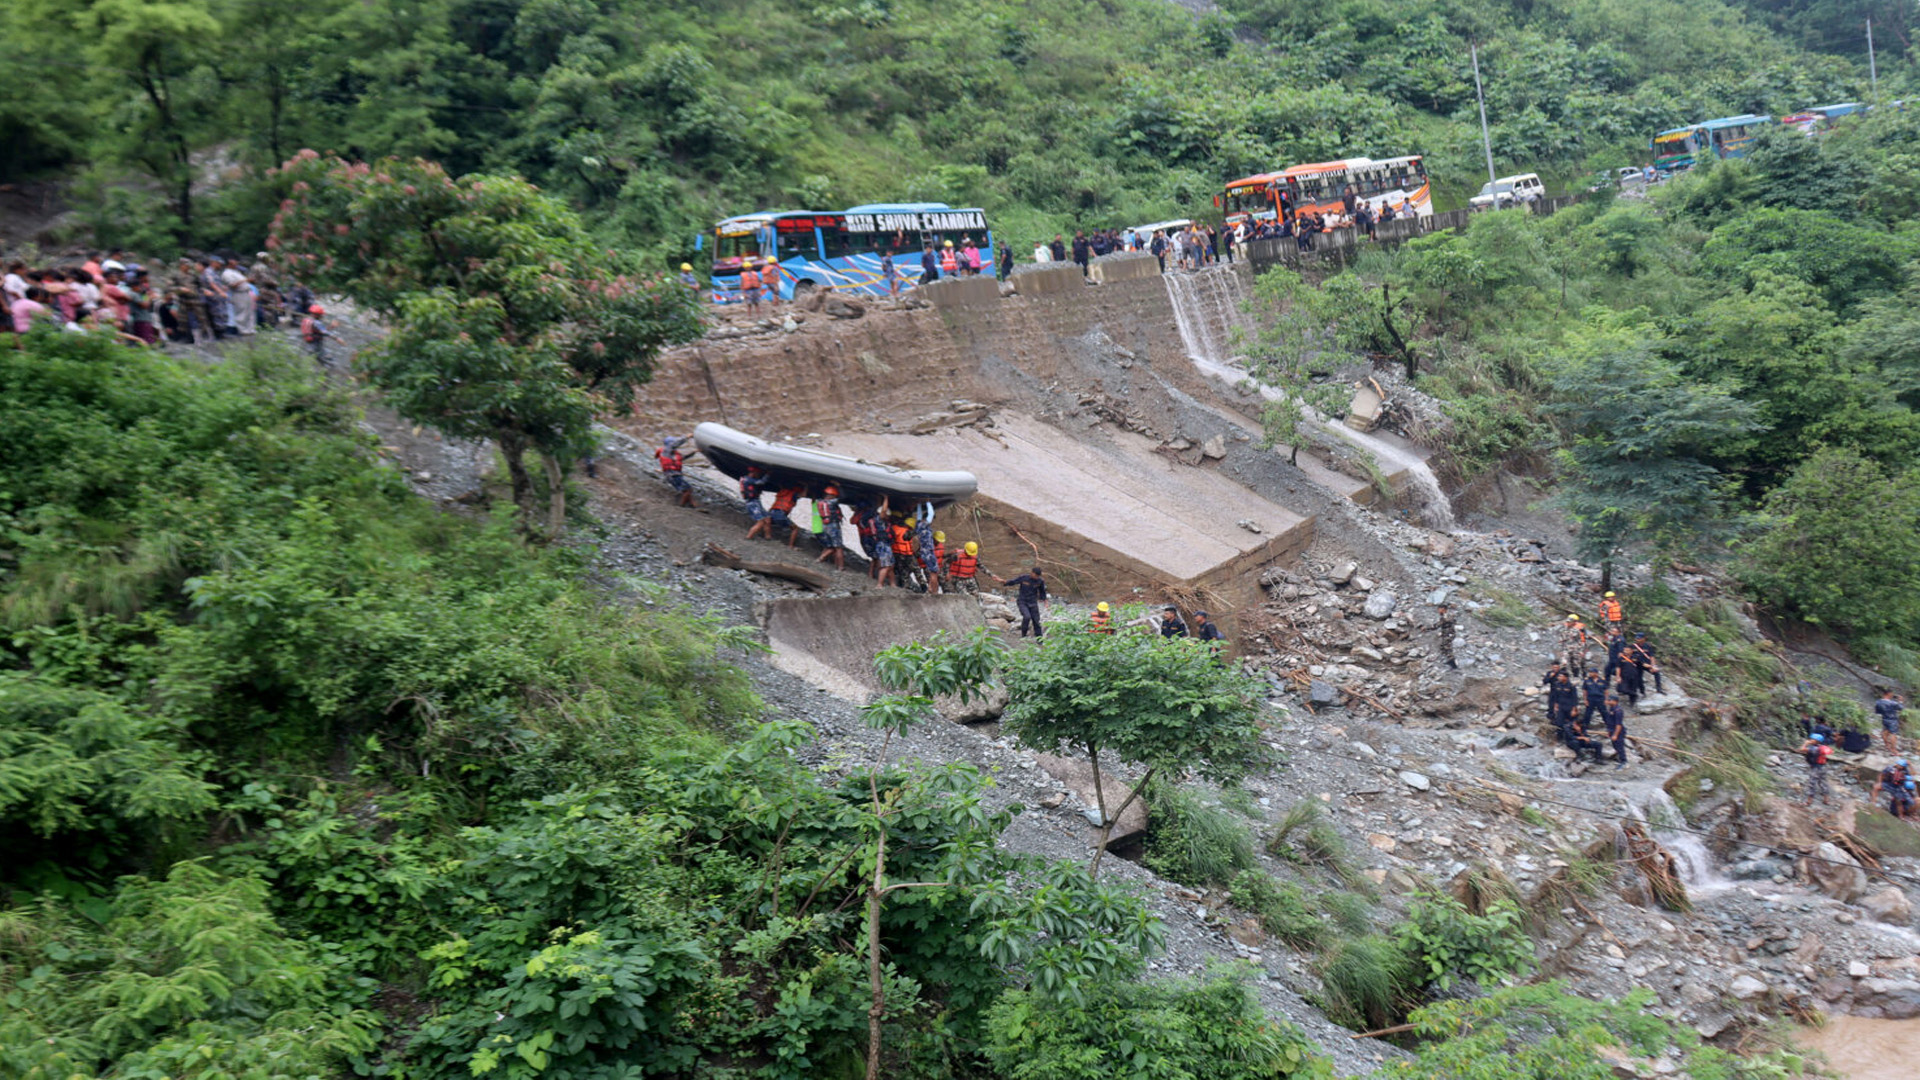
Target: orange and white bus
x,y
1321,188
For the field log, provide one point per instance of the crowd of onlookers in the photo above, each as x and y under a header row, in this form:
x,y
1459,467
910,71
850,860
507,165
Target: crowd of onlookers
x,y
1196,245
198,300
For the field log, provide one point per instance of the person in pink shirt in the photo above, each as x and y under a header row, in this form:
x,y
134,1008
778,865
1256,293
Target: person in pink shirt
x,y
971,256
113,294
25,309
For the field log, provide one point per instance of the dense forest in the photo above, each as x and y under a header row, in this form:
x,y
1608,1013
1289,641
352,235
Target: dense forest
x,y
656,119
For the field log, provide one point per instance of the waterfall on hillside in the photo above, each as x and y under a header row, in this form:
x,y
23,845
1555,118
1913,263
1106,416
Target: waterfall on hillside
x,y
1665,823
1208,306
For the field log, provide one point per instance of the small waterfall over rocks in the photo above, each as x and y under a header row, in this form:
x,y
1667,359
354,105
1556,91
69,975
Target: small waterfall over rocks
x,y
1699,870
1209,307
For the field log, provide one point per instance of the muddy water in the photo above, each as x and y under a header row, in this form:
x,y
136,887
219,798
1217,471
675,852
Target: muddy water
x,y
1862,1049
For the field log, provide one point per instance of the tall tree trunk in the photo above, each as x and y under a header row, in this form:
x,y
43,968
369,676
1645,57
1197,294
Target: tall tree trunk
x,y
513,448
556,495
1606,574
152,77
276,106
1100,800
1106,821
879,1006
1408,357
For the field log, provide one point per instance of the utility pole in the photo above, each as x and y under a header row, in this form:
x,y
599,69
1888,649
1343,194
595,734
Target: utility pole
x,y
1873,70
1486,141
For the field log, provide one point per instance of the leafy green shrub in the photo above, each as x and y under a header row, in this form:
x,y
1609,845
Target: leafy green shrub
x,y
1192,842
358,876
1365,982
188,976
1210,1029
1280,906
1443,941
1814,560
1545,1032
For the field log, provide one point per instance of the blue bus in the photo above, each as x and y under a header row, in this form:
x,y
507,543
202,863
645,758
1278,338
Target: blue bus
x,y
842,249
1728,137
1817,118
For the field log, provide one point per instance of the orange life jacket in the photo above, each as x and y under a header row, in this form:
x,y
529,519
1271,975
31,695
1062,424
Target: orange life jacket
x,y
939,556
948,262
902,540
965,565
783,501
670,460
1102,623
1610,610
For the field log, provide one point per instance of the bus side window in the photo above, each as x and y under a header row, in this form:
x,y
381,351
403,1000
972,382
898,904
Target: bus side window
x,y
840,244
798,245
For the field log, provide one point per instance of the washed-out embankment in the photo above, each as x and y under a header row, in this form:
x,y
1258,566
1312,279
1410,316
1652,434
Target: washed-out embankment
x,y
1086,467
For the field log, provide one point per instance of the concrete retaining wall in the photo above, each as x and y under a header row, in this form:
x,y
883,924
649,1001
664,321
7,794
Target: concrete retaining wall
x,y
831,373
831,641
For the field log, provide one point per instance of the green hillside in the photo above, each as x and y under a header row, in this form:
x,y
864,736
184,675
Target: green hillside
x,y
654,119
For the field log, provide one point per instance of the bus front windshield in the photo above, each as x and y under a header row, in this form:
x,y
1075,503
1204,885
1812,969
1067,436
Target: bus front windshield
x,y
735,247
1680,142
1249,200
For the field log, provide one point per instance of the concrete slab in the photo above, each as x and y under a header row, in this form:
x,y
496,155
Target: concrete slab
x,y
1050,280
831,641
1152,521
1124,268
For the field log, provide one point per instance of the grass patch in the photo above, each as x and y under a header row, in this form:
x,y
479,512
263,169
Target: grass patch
x,y
1362,982
1735,760
1503,609
1306,837
1351,912
1193,842
1302,815
1281,907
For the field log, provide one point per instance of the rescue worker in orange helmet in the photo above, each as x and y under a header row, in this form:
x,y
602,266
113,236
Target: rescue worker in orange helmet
x,y
966,568
1102,621
1610,612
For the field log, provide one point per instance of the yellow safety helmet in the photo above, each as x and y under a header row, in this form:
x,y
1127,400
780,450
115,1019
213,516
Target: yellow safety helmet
x,y
949,243
1101,606
911,522
973,548
940,537
686,268
1609,595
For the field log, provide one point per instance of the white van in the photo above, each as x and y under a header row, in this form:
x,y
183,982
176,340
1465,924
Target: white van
x,y
1143,234
1516,190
